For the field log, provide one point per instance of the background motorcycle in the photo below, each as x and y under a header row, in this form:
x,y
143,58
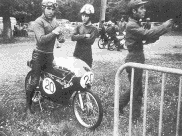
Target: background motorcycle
x,y
112,46
70,80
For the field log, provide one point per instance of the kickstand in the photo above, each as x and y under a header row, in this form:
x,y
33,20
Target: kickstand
x,y
40,106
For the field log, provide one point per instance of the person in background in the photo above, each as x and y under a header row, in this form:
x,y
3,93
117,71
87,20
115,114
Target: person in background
x,y
46,30
147,24
102,32
135,34
122,25
85,35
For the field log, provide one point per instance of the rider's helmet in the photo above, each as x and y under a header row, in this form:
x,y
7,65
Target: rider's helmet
x,y
49,3
88,9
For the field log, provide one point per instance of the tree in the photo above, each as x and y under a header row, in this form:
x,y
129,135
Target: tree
x,y
9,8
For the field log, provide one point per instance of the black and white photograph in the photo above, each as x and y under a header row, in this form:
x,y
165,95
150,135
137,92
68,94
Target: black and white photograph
x,y
90,67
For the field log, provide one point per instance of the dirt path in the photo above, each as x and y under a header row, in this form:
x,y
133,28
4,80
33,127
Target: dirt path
x,y
13,57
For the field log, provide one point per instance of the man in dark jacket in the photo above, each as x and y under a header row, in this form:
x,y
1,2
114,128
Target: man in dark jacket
x,y
135,34
85,35
46,30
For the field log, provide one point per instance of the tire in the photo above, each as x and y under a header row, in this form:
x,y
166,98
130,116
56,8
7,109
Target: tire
x,y
111,46
100,43
88,110
28,79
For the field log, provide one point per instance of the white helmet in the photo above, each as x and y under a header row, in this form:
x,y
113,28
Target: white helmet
x,y
49,3
88,9
109,22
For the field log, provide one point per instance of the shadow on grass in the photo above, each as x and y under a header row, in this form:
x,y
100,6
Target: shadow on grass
x,y
14,40
14,120
59,120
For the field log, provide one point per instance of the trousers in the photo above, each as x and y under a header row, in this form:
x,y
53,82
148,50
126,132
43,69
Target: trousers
x,y
137,84
41,61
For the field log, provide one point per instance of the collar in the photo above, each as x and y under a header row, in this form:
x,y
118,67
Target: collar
x,y
134,20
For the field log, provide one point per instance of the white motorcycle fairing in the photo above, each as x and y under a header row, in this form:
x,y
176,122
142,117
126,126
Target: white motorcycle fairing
x,y
77,66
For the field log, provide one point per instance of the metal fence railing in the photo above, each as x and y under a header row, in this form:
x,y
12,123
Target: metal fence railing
x,y
164,70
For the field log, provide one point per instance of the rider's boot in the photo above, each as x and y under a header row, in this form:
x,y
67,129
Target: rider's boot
x,y
29,95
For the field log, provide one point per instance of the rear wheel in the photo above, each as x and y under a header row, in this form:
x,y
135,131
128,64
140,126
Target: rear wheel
x,y
91,114
28,79
101,43
35,96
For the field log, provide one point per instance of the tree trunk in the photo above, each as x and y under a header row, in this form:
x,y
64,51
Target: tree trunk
x,y
7,31
103,9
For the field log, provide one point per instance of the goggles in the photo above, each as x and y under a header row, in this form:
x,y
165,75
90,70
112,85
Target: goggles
x,y
50,4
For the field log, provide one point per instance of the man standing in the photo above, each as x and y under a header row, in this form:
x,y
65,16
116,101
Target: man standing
x,y
85,35
122,25
46,30
135,34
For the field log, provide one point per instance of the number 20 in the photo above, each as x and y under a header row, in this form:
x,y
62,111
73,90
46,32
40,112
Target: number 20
x,y
88,78
49,86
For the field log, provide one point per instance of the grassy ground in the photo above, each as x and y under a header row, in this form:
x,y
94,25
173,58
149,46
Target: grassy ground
x,y
58,120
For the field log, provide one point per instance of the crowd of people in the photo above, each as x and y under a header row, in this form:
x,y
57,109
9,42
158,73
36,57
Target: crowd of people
x,y
112,30
47,30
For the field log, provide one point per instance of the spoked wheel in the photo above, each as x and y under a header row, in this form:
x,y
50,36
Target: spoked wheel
x,y
111,45
101,43
88,109
28,79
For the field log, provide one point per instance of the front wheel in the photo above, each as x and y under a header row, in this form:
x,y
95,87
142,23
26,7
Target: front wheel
x,y
88,109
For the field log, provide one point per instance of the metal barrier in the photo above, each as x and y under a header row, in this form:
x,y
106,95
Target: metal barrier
x,y
164,70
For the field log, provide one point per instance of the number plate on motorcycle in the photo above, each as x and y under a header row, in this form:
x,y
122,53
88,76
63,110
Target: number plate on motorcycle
x,y
49,86
86,79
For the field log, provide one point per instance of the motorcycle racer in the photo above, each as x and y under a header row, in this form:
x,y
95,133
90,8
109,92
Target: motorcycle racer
x,y
85,35
46,30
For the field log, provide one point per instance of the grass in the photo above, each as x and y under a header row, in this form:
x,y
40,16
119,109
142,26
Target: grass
x,y
58,120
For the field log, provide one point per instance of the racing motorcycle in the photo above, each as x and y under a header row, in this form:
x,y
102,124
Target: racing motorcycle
x,y
70,80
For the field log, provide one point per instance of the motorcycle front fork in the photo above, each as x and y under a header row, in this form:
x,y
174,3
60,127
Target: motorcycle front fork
x,y
81,100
